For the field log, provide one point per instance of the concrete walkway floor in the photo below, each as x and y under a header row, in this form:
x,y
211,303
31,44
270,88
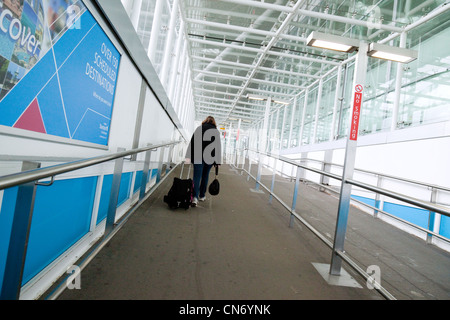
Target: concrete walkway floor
x,y
236,246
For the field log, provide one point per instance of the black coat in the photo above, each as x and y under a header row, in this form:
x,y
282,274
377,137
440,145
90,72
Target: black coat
x,y
205,145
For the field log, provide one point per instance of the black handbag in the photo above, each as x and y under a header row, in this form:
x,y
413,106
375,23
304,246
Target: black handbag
x,y
214,187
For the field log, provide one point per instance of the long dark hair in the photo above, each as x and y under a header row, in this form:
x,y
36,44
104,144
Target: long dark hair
x,y
210,119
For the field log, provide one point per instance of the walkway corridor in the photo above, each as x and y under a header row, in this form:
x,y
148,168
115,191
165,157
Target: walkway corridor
x,y
237,246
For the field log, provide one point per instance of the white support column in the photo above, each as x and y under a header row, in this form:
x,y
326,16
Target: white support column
x,y
277,137
175,67
305,105
182,87
316,116
135,13
181,80
349,159
229,143
168,45
237,146
336,103
238,131
269,131
128,6
263,136
282,128
300,115
292,122
398,86
156,25
181,106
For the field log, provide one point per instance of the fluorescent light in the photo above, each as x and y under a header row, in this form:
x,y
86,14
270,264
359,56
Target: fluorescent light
x,y
330,45
253,97
331,42
281,101
390,56
381,51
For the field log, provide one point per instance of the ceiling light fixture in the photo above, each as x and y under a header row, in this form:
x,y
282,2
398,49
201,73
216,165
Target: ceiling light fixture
x,y
331,42
382,51
281,101
254,97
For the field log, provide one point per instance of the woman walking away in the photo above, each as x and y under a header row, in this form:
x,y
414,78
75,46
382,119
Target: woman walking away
x,y
204,151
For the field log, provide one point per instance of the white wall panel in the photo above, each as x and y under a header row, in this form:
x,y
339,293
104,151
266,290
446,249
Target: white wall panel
x,y
156,125
125,106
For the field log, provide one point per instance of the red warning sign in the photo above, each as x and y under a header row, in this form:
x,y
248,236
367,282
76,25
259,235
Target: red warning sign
x,y
356,112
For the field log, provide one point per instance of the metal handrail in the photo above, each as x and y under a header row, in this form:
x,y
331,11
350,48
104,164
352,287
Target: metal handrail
x,y
385,293
427,205
382,175
19,178
414,201
27,182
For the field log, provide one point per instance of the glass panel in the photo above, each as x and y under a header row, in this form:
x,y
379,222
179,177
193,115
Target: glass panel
x,y
287,125
308,126
344,111
298,121
162,35
144,28
426,81
378,103
280,127
326,109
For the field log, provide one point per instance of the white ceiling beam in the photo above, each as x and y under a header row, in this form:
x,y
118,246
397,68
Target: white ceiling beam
x,y
259,20
252,106
229,105
264,92
202,98
314,14
248,67
266,82
220,112
217,84
272,41
225,26
215,92
262,51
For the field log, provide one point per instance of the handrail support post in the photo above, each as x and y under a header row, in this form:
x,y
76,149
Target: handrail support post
x,y
114,195
431,216
294,197
145,174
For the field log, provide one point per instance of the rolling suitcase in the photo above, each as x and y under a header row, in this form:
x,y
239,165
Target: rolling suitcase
x,y
180,194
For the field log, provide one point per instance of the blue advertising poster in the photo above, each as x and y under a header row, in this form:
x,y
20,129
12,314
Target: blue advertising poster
x,y
58,70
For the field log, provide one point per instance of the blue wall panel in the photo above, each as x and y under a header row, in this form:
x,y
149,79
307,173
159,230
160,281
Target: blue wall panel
x,y
152,174
125,185
370,202
445,226
137,181
6,219
104,197
61,216
414,215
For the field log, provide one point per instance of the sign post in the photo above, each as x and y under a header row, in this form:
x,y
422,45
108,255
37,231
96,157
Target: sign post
x,y
349,161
